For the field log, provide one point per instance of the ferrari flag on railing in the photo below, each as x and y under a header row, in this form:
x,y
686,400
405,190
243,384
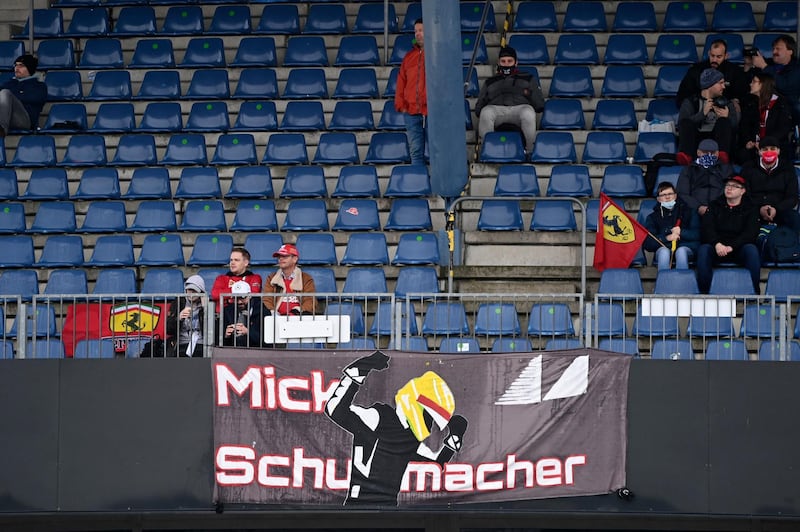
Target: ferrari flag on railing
x,y
619,237
356,428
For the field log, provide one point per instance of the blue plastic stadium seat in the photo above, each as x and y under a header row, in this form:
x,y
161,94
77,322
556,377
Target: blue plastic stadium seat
x,y
638,17
388,148
115,281
783,283
563,114
85,150
101,53
17,251
286,148
208,84
502,147
765,350
12,218
250,182
346,308
585,16
261,247
604,147
256,116
497,319
576,49
337,148
255,215
135,21
409,214
668,80
303,116
711,326
454,344
356,83
560,344
685,16
571,82
468,48
316,249
306,83
104,217
623,81
473,12
203,215
324,279
357,50
676,282
54,217
624,49
186,149
9,189
98,183
417,249
357,215
413,12
61,251
365,249
154,216
553,216
759,321
416,280
352,116
675,49
161,117
614,115
159,85
153,53
306,50
114,118
235,149
64,85
304,182
417,344
208,116
256,52
162,281
112,250
279,19
46,184
623,181
445,318
211,250
306,215
734,16
35,151
500,216
609,321
511,345
391,119
383,325
65,117
550,319
370,19
780,16
45,348
535,17
47,23
672,349
625,346
662,109
204,52
94,348
620,281
358,181
365,280
149,183
406,181
9,51
471,82
161,250
731,281
570,180
648,144
110,85
230,20
326,19
358,342
391,83
198,182
183,20
554,147
726,350
40,322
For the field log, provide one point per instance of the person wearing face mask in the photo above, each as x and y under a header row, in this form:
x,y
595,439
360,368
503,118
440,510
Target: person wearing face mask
x,y
703,180
674,228
765,113
510,97
772,183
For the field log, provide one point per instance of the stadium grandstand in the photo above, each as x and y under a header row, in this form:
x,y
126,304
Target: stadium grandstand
x,y
176,131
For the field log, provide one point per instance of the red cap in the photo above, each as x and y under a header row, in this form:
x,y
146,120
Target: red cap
x,y
286,249
739,179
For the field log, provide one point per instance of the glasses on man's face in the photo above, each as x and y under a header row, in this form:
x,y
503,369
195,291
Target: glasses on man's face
x,y
666,195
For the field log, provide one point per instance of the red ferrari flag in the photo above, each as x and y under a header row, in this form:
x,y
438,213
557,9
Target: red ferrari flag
x,y
619,237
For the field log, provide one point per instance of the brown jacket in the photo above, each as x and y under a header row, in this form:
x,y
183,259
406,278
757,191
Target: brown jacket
x,y
300,283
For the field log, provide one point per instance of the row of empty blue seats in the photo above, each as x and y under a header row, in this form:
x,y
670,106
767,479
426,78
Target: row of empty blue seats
x,y
167,249
405,214
582,16
190,149
247,182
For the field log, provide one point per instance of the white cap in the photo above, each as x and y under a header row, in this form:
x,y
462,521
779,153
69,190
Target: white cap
x,y
240,287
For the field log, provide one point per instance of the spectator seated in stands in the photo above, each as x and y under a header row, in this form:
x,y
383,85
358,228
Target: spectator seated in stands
x,y
242,321
702,182
672,223
786,69
185,327
287,280
772,184
510,97
765,113
736,88
707,115
239,264
728,233
410,96
22,97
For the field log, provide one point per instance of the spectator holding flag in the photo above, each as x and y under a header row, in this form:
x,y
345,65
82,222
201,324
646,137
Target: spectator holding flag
x,y
619,237
674,229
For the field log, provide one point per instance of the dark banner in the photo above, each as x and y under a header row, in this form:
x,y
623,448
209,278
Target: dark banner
x,y
396,428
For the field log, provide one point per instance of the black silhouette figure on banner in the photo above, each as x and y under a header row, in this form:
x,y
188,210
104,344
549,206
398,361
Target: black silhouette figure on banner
x,y
385,438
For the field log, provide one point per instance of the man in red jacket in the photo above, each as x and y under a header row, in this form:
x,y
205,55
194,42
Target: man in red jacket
x,y
410,96
239,271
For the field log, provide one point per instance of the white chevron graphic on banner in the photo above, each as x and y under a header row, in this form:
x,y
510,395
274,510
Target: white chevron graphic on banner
x,y
527,387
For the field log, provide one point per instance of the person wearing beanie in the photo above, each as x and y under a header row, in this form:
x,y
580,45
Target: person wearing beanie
x,y
289,279
242,321
728,233
707,115
185,320
22,97
510,97
239,271
411,97
717,58
772,184
703,181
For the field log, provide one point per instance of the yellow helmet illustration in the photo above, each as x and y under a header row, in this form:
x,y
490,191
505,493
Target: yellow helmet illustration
x,y
429,394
